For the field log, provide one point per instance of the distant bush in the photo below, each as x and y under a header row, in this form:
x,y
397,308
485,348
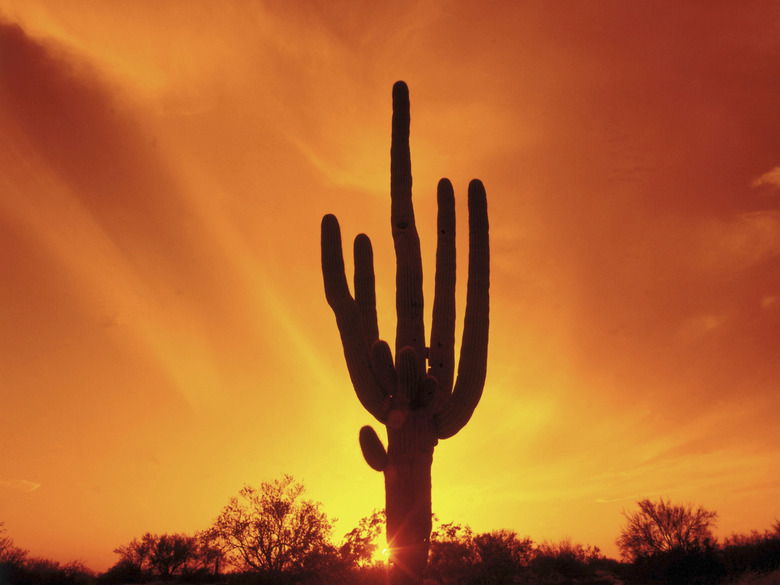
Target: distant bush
x,y
681,567
121,573
38,571
565,559
752,553
502,556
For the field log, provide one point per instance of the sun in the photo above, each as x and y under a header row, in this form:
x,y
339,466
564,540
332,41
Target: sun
x,y
382,553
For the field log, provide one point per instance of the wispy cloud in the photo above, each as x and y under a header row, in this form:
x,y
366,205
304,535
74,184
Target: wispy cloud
x,y
19,485
770,178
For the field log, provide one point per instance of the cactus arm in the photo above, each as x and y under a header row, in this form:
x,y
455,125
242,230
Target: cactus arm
x,y
406,384
410,329
382,362
441,358
472,366
357,352
373,451
365,292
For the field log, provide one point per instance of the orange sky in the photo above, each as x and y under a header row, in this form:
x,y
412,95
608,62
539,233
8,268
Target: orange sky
x,y
165,336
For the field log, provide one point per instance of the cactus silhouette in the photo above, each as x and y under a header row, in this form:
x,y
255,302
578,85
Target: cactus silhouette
x,y
415,398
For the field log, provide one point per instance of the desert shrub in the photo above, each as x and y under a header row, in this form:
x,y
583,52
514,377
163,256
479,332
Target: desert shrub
x,y
757,553
197,576
565,559
503,557
325,566
452,556
39,571
753,578
122,572
680,567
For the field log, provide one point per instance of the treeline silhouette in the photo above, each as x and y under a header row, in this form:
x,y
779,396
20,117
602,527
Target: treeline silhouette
x,y
273,535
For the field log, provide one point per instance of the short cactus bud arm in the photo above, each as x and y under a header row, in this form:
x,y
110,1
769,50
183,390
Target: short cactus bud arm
x,y
373,450
357,347
441,357
472,366
410,329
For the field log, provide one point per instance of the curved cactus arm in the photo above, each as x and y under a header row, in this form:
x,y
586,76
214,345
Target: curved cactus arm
x,y
472,365
350,324
365,291
373,451
441,356
410,329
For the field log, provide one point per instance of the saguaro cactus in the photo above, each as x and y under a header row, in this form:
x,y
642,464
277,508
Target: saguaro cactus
x,y
414,398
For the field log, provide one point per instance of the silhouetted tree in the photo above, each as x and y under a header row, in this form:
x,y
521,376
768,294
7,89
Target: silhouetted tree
x,y
360,544
271,529
660,527
134,556
210,556
159,554
413,396
170,553
10,554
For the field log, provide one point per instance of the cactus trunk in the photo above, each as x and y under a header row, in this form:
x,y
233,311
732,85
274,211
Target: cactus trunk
x,y
416,397
408,501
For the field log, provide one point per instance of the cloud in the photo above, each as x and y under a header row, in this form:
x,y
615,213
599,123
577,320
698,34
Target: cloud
x,y
19,485
71,117
770,178
745,240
